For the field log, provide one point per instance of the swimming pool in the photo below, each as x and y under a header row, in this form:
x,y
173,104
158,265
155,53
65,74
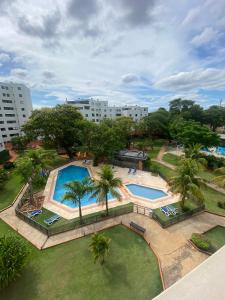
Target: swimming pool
x,y
145,192
66,175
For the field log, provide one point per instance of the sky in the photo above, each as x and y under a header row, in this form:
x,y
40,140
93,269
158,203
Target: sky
x,y
134,52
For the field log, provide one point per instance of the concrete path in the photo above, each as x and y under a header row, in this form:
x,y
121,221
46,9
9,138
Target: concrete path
x,y
166,164
162,151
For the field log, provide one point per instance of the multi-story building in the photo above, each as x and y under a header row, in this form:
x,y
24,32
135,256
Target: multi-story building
x,y
2,146
96,110
15,109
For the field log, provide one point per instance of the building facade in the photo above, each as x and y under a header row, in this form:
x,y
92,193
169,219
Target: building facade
x,y
15,109
96,110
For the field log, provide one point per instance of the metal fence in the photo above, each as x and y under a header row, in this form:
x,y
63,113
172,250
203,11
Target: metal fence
x,y
74,223
176,218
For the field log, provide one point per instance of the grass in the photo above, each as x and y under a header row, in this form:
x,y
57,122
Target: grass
x,y
10,190
171,159
216,237
163,217
67,271
211,196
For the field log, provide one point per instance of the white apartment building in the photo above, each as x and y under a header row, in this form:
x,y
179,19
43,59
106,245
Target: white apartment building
x,y
96,110
15,109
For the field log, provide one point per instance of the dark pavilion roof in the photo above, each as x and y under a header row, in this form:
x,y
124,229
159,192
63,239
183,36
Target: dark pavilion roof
x,y
133,154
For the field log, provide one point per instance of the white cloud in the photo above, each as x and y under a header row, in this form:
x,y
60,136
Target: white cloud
x,y
206,36
4,57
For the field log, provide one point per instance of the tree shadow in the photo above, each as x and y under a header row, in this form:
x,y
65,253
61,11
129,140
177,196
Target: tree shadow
x,y
115,273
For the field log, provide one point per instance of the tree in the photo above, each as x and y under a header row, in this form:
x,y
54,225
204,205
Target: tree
x,y
76,191
220,178
13,257
106,184
19,142
214,116
156,124
58,127
186,182
3,177
31,166
190,133
99,247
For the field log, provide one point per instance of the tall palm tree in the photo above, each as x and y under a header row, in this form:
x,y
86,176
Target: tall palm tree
x,y
186,182
220,179
106,184
76,190
99,247
193,152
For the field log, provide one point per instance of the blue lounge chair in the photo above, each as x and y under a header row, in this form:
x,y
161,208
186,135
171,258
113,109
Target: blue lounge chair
x,y
165,211
129,171
52,219
34,213
134,171
172,209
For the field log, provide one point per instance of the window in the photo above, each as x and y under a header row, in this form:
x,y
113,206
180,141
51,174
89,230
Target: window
x,y
19,88
20,95
4,135
10,115
8,108
93,120
11,122
86,115
0,115
24,116
1,122
3,94
6,88
3,87
8,95
7,101
14,134
93,115
21,102
12,128
2,129
22,109
86,107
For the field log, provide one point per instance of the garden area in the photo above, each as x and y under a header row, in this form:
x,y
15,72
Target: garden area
x,y
130,270
211,240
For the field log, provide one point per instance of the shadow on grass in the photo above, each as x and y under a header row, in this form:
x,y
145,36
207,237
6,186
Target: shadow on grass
x,y
18,288
115,273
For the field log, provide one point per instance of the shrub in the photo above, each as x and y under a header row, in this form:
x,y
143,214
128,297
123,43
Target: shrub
x,y
221,204
3,177
200,241
13,257
154,169
4,156
8,165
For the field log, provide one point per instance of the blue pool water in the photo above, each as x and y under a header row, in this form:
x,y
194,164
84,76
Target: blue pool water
x,y
66,175
145,192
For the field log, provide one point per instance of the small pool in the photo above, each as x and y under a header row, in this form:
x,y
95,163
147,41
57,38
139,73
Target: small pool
x,y
145,192
66,175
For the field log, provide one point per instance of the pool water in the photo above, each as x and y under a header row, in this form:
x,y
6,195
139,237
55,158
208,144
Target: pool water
x,y
145,192
72,173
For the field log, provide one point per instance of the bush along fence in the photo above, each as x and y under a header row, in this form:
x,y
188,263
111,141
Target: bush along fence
x,y
67,225
177,218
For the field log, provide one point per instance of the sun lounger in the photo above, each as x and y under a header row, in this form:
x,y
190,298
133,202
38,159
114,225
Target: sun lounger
x,y
173,210
52,219
129,171
34,213
165,211
134,171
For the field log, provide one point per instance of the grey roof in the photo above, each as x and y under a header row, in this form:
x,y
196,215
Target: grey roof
x,y
137,155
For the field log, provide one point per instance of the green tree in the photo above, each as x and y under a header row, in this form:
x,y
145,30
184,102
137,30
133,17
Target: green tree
x,y
76,190
13,257
156,124
186,183
214,116
220,178
19,143
32,165
3,177
58,127
99,246
190,133
106,184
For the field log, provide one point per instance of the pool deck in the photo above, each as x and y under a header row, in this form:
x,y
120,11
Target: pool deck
x,y
141,178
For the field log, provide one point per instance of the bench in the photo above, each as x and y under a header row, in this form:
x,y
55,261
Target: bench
x,y
137,227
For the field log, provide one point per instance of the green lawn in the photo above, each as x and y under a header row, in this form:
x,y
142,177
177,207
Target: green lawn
x,y
67,271
211,196
171,158
216,236
10,189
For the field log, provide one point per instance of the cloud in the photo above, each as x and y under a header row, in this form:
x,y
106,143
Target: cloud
x,y
82,10
209,79
48,75
128,78
206,36
19,73
46,28
4,57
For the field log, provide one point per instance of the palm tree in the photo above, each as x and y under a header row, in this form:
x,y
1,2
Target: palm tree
x,y
106,184
193,152
76,191
186,183
99,247
220,179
